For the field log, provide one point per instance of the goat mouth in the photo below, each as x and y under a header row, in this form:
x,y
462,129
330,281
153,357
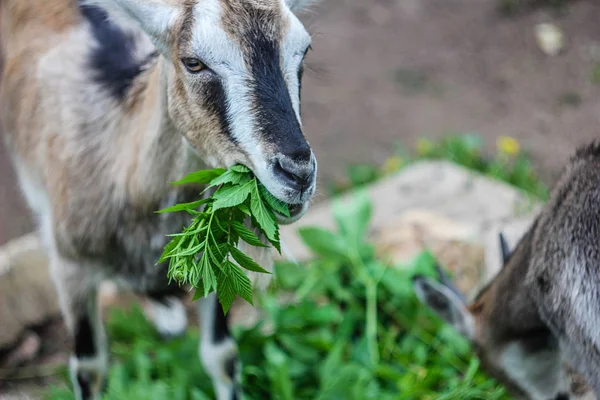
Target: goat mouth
x,y
296,212
295,209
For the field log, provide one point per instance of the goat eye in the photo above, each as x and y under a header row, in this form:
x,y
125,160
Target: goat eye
x,y
193,65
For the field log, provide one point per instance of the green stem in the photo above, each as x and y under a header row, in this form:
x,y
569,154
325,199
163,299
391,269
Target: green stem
x,y
371,306
372,322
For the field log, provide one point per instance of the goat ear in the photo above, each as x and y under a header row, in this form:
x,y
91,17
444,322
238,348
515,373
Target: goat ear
x,y
447,282
505,250
297,6
153,16
446,303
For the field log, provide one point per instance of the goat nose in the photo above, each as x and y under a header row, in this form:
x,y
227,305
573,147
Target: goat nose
x,y
296,175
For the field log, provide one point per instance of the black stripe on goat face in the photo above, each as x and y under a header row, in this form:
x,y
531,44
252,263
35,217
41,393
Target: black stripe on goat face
x,y
275,116
277,124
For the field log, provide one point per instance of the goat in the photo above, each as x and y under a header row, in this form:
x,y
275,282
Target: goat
x,y
104,102
543,308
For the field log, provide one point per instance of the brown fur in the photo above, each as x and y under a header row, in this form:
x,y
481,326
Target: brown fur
x,y
240,15
51,16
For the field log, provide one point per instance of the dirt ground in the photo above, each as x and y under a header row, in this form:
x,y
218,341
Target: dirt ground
x,y
389,71
396,70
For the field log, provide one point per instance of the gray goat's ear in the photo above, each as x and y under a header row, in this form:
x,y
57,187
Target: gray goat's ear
x,y
505,250
445,302
446,281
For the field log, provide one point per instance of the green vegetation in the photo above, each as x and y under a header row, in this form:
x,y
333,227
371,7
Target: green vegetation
x,y
355,330
509,164
595,75
201,255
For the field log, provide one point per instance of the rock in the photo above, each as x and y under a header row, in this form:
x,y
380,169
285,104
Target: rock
x,y
550,38
454,212
443,199
403,238
27,294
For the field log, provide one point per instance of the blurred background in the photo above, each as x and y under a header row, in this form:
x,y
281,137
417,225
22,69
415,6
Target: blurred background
x,y
505,87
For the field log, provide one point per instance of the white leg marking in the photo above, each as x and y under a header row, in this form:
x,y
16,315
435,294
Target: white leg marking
x,y
218,358
93,369
169,318
88,368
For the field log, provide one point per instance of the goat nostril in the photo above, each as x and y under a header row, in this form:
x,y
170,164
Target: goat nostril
x,y
291,174
286,174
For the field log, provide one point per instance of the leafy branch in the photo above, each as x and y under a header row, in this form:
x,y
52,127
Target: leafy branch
x,y
205,254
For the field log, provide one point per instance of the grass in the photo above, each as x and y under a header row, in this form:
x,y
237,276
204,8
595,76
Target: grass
x,y
355,329
595,75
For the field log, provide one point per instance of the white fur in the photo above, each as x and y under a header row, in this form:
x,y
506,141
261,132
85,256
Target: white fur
x,y
225,58
214,356
97,366
168,319
153,16
293,47
541,375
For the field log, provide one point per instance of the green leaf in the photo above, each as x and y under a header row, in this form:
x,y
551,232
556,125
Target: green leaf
x,y
207,273
199,255
353,218
276,242
245,261
290,275
247,235
203,177
225,291
278,370
274,202
361,174
245,209
231,176
231,195
263,216
241,283
193,250
242,169
199,291
170,248
324,243
184,206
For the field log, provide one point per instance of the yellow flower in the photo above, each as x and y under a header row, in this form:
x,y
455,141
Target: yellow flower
x,y
508,145
424,146
392,164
